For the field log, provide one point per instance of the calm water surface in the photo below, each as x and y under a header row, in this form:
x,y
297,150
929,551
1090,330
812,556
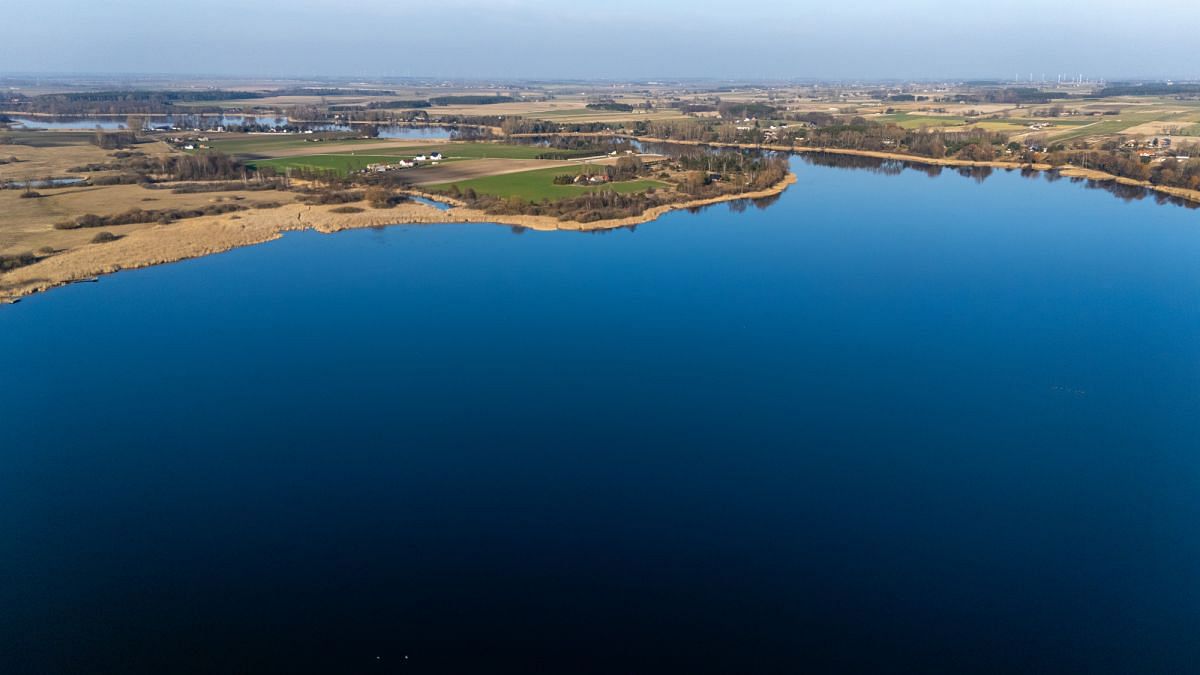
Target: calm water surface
x,y
68,123
890,423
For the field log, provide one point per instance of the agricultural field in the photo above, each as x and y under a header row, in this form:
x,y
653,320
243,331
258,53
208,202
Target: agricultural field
x,y
539,184
341,164
1002,126
917,120
263,144
347,162
961,123
590,115
1117,124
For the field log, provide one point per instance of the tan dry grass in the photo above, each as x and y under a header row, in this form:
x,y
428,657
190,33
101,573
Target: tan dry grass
x,y
28,224
39,162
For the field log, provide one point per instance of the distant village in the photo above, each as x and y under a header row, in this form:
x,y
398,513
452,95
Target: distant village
x,y
1156,149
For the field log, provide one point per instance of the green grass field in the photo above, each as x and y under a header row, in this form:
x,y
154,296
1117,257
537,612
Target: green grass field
x,y
265,145
1007,124
916,121
1115,125
482,150
342,164
345,163
538,184
589,115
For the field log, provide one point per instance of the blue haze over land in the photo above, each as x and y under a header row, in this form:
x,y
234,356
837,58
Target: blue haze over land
x,y
891,423
611,39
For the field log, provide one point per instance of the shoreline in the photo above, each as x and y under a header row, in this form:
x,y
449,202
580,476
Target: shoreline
x,y
1067,170
209,235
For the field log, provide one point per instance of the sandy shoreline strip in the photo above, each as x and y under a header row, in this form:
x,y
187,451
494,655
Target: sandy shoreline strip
x,y
196,237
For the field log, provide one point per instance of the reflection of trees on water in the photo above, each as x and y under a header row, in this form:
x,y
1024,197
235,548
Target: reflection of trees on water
x,y
1131,193
976,173
604,231
888,167
764,203
760,203
892,167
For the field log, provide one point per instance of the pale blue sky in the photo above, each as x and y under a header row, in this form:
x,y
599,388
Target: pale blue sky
x,y
608,38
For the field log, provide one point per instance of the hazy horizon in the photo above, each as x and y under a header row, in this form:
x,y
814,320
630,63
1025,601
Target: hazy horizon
x,y
619,40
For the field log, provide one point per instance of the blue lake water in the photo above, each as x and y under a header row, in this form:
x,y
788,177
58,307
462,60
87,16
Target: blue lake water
x,y
67,123
888,423
152,121
420,133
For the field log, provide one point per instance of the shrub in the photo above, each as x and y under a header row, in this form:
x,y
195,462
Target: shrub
x,y
104,237
332,197
346,209
134,216
120,179
15,260
224,186
379,198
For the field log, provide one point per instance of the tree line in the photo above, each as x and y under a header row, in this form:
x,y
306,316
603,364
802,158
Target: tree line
x,y
124,102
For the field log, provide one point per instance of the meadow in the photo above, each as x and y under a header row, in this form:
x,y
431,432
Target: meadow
x,y
538,184
266,144
1003,124
1116,124
344,163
